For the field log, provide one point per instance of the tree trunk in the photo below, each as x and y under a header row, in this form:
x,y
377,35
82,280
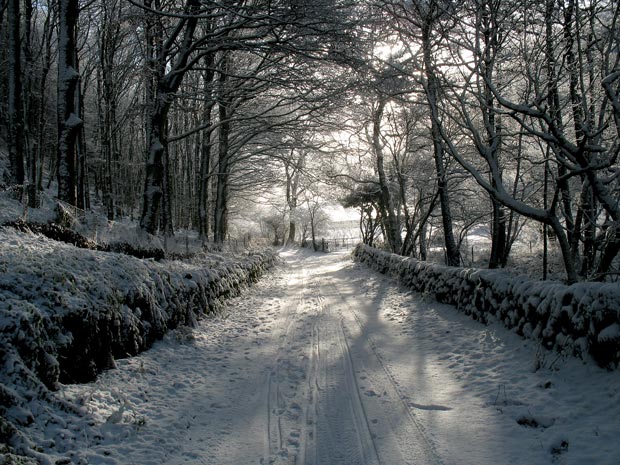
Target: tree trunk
x,y
423,245
154,179
68,104
553,100
160,90
168,194
312,211
487,44
569,264
167,218
30,110
223,173
41,149
292,231
584,215
432,92
498,236
15,103
293,174
292,205
589,230
155,115
220,223
108,46
205,167
83,200
392,228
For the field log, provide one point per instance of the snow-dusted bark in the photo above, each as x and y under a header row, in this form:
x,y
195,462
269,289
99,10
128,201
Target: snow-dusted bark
x,y
153,188
203,188
68,103
162,90
555,111
31,105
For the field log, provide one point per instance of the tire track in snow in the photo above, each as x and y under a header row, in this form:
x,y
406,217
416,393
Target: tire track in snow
x,y
286,395
315,414
341,425
404,440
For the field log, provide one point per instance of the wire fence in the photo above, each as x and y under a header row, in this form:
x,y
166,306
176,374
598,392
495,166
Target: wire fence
x,y
332,243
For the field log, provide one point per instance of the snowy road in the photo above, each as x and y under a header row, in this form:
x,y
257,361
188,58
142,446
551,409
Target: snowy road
x,y
331,398
327,363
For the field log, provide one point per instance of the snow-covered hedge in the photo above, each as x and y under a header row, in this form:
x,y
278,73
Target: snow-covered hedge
x,y
67,313
581,318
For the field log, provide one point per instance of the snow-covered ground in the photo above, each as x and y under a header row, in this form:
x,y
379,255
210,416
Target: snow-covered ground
x,y
325,362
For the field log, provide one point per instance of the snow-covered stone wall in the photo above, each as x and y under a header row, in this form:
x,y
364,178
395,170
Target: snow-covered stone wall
x,y
582,318
67,313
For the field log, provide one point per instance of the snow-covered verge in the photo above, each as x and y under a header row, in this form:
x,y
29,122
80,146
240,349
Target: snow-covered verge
x,y
67,313
582,318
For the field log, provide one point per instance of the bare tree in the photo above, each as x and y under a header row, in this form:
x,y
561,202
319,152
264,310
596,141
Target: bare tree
x,y
225,110
293,168
176,49
588,151
424,24
110,39
317,216
366,197
205,146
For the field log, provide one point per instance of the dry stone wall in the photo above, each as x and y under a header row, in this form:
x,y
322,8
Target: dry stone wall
x,y
66,313
582,319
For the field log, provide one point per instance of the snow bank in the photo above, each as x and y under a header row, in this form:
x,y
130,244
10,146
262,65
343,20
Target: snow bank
x,y
581,319
67,313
